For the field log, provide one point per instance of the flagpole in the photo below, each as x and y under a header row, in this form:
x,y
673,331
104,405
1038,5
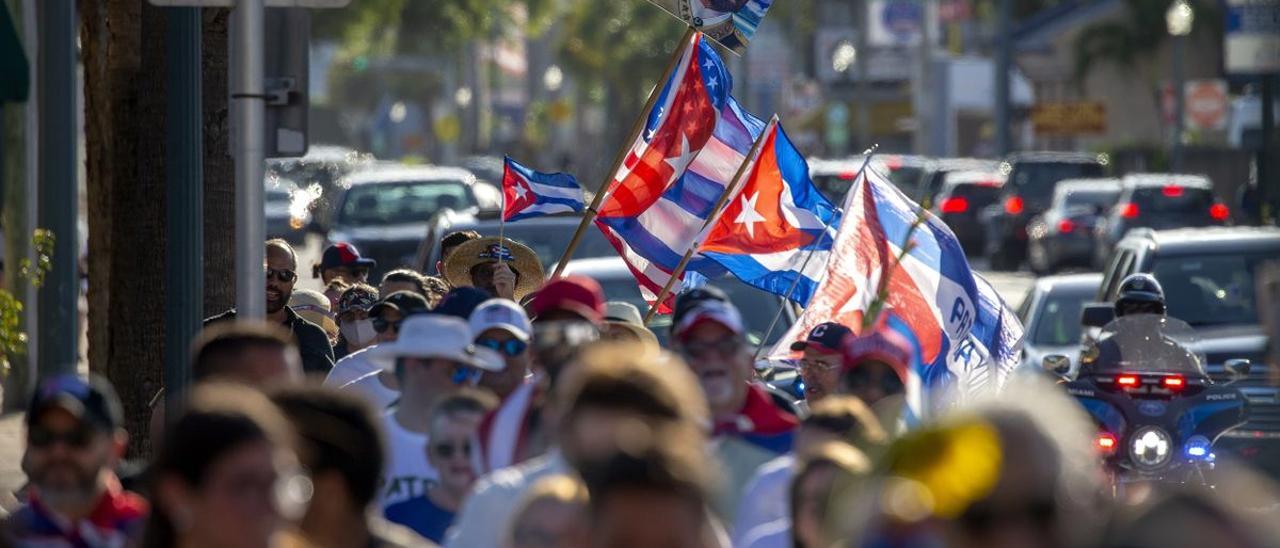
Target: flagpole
x,y
502,216
606,188
805,265
711,219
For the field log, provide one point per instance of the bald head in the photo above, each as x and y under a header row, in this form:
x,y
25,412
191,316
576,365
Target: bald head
x,y
282,251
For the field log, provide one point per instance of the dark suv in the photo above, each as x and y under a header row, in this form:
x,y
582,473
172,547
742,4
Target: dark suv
x,y
1208,279
1032,177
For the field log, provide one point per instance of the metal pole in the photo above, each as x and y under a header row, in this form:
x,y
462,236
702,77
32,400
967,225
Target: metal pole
x,y
249,105
1004,60
1267,181
184,256
1175,149
59,300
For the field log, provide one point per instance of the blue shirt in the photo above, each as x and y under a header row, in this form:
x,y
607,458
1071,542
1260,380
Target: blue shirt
x,y
423,516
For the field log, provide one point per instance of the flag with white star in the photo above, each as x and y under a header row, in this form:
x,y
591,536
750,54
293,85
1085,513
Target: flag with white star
x,y
528,193
774,221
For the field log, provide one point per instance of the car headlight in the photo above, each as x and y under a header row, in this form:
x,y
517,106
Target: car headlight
x,y
1150,447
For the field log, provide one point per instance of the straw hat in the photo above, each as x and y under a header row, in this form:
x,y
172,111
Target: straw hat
x,y
313,306
623,315
457,268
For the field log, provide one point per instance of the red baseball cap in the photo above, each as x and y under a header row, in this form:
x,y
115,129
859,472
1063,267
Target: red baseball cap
x,y
574,293
882,345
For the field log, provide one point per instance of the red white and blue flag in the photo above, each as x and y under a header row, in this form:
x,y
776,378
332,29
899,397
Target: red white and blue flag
x,y
774,221
527,193
968,338
694,139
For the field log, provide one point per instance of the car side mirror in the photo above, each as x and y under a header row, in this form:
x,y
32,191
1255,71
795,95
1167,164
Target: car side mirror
x,y
1097,314
1057,364
1239,368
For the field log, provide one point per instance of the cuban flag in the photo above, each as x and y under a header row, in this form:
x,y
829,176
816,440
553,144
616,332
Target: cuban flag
x,y
968,338
774,222
692,144
527,193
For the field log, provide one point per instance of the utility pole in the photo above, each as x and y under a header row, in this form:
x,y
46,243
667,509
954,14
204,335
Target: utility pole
x,y
59,297
184,256
1004,60
248,105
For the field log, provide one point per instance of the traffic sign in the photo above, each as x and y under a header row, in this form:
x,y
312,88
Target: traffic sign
x,y
1252,38
1206,105
314,4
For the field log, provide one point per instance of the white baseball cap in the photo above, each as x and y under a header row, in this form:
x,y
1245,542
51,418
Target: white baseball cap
x,y
435,336
501,314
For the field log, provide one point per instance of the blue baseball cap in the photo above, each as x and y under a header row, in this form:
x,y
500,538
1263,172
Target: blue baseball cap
x,y
91,400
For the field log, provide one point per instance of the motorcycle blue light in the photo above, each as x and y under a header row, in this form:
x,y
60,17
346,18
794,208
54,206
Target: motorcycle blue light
x,y
1197,448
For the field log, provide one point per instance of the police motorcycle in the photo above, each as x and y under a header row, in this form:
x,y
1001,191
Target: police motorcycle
x,y
1158,413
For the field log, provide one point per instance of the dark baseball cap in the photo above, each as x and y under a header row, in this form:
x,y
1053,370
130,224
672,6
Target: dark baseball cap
x,y
344,254
687,300
92,401
459,302
827,337
406,302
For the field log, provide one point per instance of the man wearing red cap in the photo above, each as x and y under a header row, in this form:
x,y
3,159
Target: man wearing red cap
x,y
875,371
708,331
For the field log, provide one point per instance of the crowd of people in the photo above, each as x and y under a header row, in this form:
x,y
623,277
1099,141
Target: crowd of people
x,y
491,407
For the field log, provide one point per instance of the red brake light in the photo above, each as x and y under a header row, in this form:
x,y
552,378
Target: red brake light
x,y
1172,191
955,204
1013,205
848,176
1219,212
1128,381
1129,210
1175,382
1106,442
1066,226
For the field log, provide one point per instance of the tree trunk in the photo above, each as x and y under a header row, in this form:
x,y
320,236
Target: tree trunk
x,y
219,168
124,56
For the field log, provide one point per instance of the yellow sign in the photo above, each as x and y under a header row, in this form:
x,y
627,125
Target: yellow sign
x,y
1078,118
448,128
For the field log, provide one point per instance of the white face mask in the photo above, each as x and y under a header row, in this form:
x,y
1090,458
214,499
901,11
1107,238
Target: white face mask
x,y
359,332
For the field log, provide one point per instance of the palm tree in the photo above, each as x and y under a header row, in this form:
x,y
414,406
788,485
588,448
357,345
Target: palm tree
x,y
1135,37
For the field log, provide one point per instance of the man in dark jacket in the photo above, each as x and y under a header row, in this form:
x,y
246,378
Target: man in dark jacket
x,y
282,273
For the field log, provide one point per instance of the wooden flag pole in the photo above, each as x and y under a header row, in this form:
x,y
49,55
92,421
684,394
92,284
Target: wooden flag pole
x,y
711,219
606,188
804,265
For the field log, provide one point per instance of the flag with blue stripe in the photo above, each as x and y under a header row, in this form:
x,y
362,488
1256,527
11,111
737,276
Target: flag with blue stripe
x,y
528,193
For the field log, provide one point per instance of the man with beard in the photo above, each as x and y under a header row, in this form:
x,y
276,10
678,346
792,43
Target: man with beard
x,y
282,274
74,442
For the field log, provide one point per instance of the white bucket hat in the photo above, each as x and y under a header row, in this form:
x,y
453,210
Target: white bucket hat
x,y
435,336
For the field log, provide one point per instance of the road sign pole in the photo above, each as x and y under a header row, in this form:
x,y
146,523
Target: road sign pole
x,y
1266,164
1179,104
184,257
1004,60
249,103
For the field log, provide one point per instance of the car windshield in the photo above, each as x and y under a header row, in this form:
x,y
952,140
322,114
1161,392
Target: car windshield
x,y
376,204
979,195
1059,320
1090,198
1211,290
550,240
1173,199
757,307
1035,181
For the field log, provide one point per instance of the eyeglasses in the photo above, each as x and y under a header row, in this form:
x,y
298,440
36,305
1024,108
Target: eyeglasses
x,y
448,450
723,347
509,347
77,438
283,276
381,325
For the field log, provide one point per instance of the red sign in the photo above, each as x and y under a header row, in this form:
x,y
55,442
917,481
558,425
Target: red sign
x,y
1206,105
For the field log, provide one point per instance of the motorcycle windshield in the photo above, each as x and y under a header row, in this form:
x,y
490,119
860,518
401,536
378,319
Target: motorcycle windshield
x,y
1145,343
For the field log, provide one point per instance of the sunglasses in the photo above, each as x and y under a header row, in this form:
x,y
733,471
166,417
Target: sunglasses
x,y
448,450
509,347
381,325
283,276
722,347
41,437
463,375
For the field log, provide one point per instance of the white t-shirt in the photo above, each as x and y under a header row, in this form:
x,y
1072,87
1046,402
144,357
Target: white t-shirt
x,y
408,474
766,498
371,389
349,368
486,515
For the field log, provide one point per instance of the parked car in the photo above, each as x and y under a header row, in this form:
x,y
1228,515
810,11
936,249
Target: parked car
x,y
961,197
1159,201
1032,177
547,236
1063,234
934,177
384,211
758,307
288,210
1051,315
1208,279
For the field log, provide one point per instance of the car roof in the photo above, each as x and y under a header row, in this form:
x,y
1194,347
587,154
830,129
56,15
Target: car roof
x,y
974,164
1069,282
490,217
601,268
397,172
1200,240
1049,156
973,177
1099,183
1165,179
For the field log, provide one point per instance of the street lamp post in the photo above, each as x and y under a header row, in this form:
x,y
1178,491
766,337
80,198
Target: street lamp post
x,y
1178,19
